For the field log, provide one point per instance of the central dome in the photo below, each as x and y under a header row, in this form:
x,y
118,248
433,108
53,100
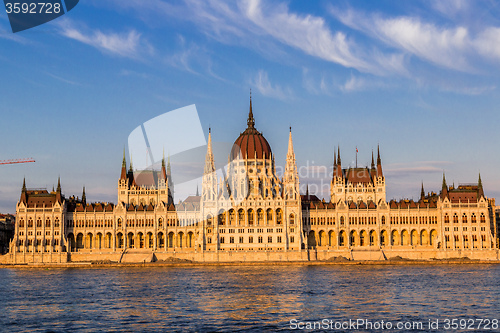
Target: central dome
x,y
251,143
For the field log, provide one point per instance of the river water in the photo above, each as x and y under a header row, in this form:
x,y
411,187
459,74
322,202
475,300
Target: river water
x,y
251,298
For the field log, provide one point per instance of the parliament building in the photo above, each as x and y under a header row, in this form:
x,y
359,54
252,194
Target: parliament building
x,y
253,214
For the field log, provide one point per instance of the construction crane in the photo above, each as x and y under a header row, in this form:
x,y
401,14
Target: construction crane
x,y
15,161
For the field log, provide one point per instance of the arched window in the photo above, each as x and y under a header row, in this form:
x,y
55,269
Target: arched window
x,y
209,220
383,219
292,219
483,218
269,217
279,216
342,220
39,223
241,217
231,217
455,218
21,223
260,217
464,218
446,218
473,218
250,217
30,223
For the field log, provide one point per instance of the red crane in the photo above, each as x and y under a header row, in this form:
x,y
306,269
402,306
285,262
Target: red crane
x,y
15,161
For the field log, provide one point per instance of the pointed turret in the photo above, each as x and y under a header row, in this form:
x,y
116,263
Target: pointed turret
x,y
58,191
170,181
373,170
480,190
250,121
23,191
379,164
209,185
209,158
163,170
444,188
130,174
197,191
124,167
338,170
422,192
291,176
84,197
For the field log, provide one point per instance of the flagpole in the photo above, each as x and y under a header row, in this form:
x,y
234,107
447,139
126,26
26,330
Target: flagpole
x,y
356,156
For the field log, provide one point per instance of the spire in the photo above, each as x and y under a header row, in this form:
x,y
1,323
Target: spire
x,y
422,192
444,188
197,191
373,170
379,164
163,170
338,169
169,176
130,174
307,191
58,191
290,145
480,187
209,158
84,197
131,169
124,166
250,121
23,191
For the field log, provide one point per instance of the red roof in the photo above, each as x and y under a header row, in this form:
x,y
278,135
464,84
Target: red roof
x,y
358,175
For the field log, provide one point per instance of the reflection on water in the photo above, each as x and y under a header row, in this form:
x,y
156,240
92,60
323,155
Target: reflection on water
x,y
246,298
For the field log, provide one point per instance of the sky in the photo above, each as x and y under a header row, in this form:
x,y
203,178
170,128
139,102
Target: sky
x,y
420,79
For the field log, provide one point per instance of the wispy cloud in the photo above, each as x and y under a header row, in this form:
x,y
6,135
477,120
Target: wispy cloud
x,y
399,170
353,83
59,78
129,44
264,86
454,47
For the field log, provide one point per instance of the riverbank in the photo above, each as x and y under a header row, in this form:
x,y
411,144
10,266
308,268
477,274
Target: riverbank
x,y
187,263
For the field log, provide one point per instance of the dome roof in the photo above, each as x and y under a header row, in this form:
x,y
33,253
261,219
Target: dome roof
x,y
251,143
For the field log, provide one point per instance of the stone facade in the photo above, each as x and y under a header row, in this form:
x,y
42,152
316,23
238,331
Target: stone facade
x,y
251,214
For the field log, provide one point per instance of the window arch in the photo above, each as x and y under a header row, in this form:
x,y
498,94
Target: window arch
x,y
473,218
464,218
250,216
279,216
455,218
269,216
241,216
483,218
446,218
292,218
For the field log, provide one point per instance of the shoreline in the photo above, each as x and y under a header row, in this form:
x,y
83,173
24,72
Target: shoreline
x,y
457,261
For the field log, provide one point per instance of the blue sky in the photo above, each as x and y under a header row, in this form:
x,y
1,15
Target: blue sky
x,y
420,78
